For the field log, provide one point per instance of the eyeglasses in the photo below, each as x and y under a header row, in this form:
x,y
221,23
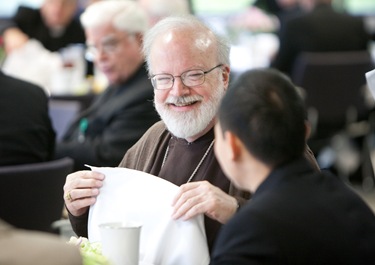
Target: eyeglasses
x,y
189,78
109,45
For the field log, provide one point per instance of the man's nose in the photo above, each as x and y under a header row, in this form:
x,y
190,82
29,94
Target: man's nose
x,y
100,54
178,88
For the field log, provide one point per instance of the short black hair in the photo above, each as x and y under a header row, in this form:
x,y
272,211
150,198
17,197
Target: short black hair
x,y
264,109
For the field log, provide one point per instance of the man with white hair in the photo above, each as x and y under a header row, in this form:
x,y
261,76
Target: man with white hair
x,y
189,68
124,111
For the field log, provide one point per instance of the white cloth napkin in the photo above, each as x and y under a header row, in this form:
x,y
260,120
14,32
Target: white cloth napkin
x,y
131,195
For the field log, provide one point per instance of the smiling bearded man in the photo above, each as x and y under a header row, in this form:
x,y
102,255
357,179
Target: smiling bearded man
x,y
189,69
190,123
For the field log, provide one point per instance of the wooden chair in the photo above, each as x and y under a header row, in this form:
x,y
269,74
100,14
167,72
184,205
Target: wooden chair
x,y
31,195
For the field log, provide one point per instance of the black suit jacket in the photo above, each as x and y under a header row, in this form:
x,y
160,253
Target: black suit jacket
x,y
116,120
299,216
320,30
26,133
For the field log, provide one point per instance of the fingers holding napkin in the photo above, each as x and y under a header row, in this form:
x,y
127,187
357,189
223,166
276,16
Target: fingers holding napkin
x,y
131,195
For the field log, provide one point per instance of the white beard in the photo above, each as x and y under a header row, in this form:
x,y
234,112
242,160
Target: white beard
x,y
190,123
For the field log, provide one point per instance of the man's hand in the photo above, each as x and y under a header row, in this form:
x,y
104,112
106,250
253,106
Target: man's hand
x,y
202,197
14,39
81,189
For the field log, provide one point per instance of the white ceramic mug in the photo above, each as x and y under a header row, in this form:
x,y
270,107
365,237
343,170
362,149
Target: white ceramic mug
x,y
120,242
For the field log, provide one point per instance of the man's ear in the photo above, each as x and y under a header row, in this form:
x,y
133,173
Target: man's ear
x,y
233,145
225,74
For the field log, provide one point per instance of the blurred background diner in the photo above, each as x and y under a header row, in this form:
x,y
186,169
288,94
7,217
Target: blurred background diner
x,y
118,117
51,37
43,42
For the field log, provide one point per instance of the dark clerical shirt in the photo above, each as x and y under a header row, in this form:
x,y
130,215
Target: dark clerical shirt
x,y
182,159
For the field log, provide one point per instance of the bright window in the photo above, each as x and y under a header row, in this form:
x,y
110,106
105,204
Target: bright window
x,y
8,8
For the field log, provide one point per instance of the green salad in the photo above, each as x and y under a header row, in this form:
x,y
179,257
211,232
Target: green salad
x,y
91,252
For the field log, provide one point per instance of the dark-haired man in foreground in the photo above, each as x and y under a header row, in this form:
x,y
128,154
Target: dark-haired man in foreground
x,y
296,215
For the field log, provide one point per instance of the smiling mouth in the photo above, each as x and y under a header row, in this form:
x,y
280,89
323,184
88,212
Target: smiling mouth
x,y
183,104
183,101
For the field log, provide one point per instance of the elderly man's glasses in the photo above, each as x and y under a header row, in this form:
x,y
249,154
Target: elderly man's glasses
x,y
189,78
108,45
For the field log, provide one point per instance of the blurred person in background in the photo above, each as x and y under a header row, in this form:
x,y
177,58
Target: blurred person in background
x,y
47,43
278,7
26,133
118,117
321,29
54,25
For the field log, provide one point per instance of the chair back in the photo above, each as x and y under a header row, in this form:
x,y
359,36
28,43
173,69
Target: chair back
x,y
334,83
31,195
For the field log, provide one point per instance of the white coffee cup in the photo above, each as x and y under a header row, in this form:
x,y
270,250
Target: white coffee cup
x,y
120,242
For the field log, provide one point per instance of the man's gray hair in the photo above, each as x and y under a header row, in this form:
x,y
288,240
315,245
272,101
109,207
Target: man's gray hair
x,y
190,24
125,15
